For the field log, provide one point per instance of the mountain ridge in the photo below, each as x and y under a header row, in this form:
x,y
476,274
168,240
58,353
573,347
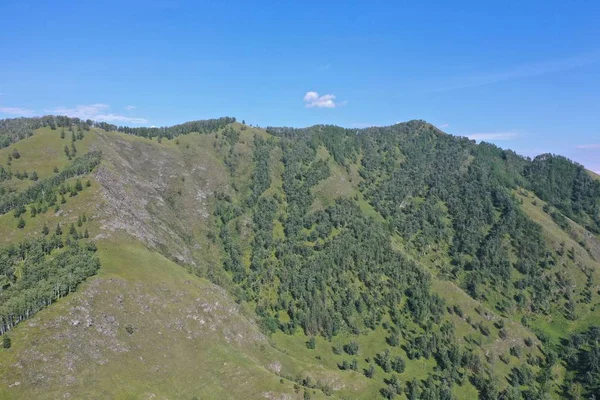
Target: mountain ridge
x,y
242,207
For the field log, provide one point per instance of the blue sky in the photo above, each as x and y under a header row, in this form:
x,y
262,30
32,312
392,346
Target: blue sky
x,y
524,76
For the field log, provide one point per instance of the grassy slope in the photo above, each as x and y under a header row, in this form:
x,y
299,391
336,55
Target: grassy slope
x,y
340,183
557,326
188,338
41,153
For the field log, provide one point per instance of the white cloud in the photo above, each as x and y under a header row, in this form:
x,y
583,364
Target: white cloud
x,y
443,126
312,100
591,146
129,108
16,111
96,112
493,136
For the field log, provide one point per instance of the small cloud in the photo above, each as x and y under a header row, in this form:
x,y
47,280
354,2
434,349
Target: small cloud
x,y
313,99
96,112
493,136
16,111
129,108
324,67
443,126
591,146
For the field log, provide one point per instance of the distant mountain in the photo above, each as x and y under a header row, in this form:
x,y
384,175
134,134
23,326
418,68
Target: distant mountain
x,y
214,259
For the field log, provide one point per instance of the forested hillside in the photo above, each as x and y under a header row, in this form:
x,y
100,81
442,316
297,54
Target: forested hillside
x,y
387,262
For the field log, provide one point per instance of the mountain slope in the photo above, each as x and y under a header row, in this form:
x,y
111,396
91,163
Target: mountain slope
x,y
190,320
394,261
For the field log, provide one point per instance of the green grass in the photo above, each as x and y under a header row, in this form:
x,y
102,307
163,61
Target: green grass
x,y
68,213
370,343
341,182
169,347
43,151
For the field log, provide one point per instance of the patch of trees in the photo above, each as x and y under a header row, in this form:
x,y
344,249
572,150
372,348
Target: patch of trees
x,y
170,132
261,179
581,353
14,129
342,144
441,192
44,191
225,212
323,254
301,173
348,281
5,174
567,186
47,271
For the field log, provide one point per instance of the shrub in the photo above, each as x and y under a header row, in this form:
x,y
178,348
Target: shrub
x,y
351,348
